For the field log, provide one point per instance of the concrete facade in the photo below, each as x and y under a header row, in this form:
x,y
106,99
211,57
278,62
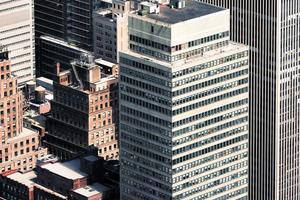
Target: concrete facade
x,y
271,29
17,34
111,30
183,105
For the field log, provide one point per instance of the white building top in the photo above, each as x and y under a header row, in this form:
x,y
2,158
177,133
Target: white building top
x,y
45,80
104,63
91,190
169,15
69,170
23,178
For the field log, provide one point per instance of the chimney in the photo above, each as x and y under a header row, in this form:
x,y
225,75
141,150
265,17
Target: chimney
x,y
94,74
57,68
115,70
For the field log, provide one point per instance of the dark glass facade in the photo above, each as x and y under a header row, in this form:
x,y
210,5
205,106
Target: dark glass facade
x,y
66,20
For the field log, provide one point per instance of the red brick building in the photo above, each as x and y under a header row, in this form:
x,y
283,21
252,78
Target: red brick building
x,y
17,185
62,177
95,191
84,111
77,179
22,186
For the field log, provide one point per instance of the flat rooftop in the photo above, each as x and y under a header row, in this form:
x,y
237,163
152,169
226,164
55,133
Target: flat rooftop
x,y
45,80
24,134
69,170
23,178
91,190
50,191
101,62
192,9
28,180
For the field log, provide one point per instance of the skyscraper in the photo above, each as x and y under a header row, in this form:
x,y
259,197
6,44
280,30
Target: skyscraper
x,y
271,29
70,21
66,22
19,147
183,105
17,34
51,51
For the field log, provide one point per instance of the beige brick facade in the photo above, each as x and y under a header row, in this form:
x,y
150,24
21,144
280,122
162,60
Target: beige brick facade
x,y
19,146
84,113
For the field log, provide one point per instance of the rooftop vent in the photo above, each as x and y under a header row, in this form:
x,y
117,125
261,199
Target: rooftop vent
x,y
87,58
148,8
178,4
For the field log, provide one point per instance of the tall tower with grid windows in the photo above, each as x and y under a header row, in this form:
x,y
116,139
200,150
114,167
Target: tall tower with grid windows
x,y
17,34
271,29
183,105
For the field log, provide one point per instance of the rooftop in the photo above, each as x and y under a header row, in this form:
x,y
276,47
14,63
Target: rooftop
x,y
50,191
23,178
63,43
91,190
28,180
34,118
46,80
47,159
91,158
104,13
69,170
101,62
30,83
25,133
192,9
40,89
49,97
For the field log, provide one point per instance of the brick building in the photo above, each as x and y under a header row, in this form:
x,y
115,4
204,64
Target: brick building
x,y
62,177
20,146
43,193
17,185
92,192
77,179
84,111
